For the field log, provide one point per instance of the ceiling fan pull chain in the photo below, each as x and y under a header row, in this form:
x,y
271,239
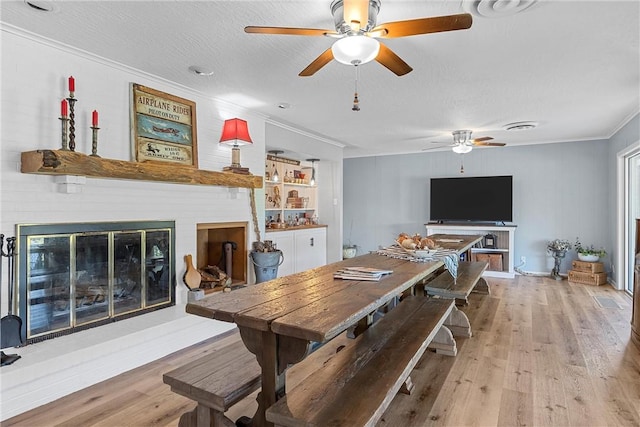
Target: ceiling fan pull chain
x,y
356,102
461,164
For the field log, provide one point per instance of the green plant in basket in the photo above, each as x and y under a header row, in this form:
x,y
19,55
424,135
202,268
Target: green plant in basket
x,y
588,250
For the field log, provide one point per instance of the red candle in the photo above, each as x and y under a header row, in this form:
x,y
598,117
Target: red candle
x,y
94,120
72,84
64,108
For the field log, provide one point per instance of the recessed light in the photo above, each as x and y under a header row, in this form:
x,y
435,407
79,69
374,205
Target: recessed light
x,y
200,71
284,105
41,5
520,125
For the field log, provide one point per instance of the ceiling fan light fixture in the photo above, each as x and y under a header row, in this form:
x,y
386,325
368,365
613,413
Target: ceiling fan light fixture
x,y
355,50
343,27
461,137
461,148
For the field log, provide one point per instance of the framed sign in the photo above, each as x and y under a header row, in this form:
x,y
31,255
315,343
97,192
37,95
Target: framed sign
x,y
163,127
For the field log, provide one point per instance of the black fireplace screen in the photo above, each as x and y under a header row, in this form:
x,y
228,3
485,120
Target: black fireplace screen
x,y
75,276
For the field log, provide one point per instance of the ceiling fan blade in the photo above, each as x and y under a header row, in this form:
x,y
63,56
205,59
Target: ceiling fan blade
x,y
356,10
322,60
482,139
489,144
392,61
288,31
435,148
414,27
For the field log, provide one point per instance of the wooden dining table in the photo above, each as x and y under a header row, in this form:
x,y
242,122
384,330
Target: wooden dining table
x,y
458,242
281,320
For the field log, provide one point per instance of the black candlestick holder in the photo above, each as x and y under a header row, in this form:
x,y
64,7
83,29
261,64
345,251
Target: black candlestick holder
x,y
72,122
65,129
94,141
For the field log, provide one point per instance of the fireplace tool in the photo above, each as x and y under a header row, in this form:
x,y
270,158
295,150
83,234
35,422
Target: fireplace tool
x,y
10,325
227,257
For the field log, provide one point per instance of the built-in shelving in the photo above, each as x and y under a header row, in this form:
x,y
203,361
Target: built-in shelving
x,y
62,162
282,195
504,245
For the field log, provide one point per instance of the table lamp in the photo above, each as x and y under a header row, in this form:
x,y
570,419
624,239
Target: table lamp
x,y
235,133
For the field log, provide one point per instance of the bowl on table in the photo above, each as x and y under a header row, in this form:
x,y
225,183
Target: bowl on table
x,y
423,253
420,253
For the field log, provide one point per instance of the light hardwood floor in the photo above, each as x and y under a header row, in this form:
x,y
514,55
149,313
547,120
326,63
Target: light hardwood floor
x,y
543,353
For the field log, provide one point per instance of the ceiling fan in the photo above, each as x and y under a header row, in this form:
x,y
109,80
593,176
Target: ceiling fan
x,y
462,142
357,34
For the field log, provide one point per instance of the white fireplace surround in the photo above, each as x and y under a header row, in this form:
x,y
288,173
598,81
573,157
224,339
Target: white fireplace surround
x,y
88,357
54,368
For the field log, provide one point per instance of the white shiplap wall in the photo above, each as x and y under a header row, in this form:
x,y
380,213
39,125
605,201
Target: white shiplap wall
x,y
34,78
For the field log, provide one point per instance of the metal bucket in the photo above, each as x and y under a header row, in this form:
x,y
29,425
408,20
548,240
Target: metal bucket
x,y
266,264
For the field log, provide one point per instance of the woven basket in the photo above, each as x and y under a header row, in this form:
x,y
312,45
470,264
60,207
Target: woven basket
x,y
588,267
593,279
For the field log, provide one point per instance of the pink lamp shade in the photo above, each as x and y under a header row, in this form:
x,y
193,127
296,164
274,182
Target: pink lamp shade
x,y
235,132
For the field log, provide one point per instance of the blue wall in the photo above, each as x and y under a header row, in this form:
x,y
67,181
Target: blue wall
x,y
560,191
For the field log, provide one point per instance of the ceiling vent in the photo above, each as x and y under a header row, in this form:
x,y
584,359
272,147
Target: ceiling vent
x,y
499,8
520,126
41,5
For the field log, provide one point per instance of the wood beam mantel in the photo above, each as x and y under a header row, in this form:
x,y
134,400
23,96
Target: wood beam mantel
x,y
59,162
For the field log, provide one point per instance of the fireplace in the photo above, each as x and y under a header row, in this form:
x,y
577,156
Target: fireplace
x,y
76,276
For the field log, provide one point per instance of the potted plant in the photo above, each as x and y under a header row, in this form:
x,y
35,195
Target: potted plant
x,y
349,250
588,253
558,249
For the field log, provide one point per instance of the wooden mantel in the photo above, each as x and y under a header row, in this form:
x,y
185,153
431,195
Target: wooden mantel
x,y
59,162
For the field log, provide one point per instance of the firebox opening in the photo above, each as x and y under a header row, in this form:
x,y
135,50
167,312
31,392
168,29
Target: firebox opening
x,y
211,240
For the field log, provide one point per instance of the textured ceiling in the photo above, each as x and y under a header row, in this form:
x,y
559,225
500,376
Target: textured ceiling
x,y
571,66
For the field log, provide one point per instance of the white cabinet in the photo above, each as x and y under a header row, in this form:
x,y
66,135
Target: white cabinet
x,y
311,248
284,241
500,256
303,248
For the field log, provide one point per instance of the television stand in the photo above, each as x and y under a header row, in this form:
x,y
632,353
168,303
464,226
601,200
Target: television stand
x,y
500,257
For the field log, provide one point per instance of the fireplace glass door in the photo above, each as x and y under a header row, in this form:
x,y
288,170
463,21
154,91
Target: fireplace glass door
x,y
49,283
71,281
91,273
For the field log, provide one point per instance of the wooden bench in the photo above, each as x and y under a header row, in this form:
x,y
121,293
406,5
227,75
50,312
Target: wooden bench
x,y
373,367
216,381
469,279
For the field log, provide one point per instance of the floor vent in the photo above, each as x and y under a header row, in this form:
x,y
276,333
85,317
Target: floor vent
x,y
606,302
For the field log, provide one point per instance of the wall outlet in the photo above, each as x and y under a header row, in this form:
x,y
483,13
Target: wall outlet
x,y
523,259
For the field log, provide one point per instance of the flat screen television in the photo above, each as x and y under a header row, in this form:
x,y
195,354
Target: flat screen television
x,y
479,199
